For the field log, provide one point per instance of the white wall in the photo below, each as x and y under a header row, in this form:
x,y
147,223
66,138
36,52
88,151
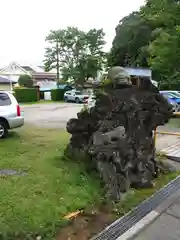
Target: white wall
x,y
5,87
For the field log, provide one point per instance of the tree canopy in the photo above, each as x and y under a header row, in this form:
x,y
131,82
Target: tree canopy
x,y
150,38
25,81
75,53
129,47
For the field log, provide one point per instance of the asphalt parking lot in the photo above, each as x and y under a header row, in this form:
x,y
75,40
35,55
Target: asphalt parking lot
x,y
50,115
56,115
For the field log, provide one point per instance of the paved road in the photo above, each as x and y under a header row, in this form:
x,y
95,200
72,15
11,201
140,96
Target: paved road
x,y
54,115
57,114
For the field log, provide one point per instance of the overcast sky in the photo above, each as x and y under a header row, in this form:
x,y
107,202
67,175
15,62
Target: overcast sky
x,y
24,24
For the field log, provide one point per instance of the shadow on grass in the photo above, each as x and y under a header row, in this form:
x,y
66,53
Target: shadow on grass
x,y
13,135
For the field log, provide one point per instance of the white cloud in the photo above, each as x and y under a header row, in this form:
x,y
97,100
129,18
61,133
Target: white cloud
x,y
24,24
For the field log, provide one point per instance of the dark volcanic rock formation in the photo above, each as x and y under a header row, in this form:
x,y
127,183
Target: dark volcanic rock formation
x,y
117,135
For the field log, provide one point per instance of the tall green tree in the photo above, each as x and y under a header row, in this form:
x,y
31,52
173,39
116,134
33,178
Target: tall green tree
x,y
164,49
54,51
150,38
165,56
129,47
161,13
77,54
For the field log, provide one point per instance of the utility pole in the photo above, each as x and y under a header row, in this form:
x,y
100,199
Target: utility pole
x,y
10,81
57,64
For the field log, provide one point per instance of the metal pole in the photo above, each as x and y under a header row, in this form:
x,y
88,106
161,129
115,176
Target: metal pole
x,y
176,114
10,81
155,136
57,53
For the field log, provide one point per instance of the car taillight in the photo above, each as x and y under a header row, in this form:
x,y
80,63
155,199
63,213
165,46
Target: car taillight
x,y
18,111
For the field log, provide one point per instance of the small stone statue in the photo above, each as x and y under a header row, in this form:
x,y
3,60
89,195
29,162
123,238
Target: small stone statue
x,y
119,76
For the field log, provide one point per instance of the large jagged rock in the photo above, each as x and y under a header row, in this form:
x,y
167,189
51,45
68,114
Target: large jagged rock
x,y
117,134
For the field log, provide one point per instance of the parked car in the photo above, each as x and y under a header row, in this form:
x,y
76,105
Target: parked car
x,y
170,98
176,107
91,101
174,93
75,96
10,113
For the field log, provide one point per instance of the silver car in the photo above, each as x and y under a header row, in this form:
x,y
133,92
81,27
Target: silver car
x,y
10,113
91,101
75,96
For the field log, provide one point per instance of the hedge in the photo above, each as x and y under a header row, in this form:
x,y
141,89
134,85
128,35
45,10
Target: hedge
x,y
172,86
26,95
57,94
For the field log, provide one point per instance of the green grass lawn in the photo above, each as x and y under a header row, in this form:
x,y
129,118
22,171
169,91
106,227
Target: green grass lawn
x,y
52,187
135,197
174,122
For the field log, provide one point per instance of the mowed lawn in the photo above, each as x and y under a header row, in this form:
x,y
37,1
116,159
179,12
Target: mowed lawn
x,y
52,187
175,122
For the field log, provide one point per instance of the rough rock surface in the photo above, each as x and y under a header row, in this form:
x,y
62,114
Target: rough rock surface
x,y
117,136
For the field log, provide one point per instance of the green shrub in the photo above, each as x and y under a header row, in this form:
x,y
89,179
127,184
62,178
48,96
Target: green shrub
x,y
25,81
106,81
26,95
57,94
167,86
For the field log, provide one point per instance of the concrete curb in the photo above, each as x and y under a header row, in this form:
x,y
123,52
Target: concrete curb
x,y
133,222
149,218
132,232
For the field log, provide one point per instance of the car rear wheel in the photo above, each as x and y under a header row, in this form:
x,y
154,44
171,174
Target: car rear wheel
x,y
3,130
65,99
77,100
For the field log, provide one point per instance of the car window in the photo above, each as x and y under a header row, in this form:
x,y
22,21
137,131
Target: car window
x,y
167,95
4,99
171,95
176,94
78,93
